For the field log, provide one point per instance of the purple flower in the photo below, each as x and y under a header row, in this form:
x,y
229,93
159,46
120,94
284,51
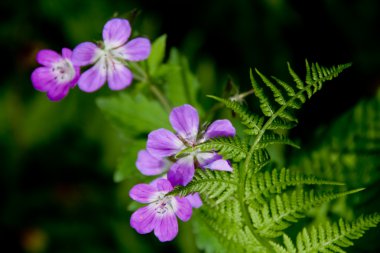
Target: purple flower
x,y
185,121
57,75
149,165
160,213
110,59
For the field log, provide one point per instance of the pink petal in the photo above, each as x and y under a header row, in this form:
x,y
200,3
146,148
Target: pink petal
x,y
154,182
194,200
219,165
182,171
116,32
163,185
149,165
163,143
43,79
73,82
85,53
185,121
119,77
67,53
205,158
58,92
220,128
184,209
142,193
135,50
94,78
144,220
47,57
166,228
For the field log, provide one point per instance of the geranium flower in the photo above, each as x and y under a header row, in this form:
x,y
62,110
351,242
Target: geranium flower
x,y
185,121
160,213
57,75
150,165
110,57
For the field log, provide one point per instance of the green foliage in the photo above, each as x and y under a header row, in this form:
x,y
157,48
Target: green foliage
x,y
329,237
125,112
246,210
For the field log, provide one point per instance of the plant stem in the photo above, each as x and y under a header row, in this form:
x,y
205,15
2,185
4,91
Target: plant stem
x,y
160,97
143,76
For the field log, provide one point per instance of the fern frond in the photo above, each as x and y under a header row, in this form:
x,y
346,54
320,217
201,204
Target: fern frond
x,y
217,185
292,100
270,137
265,105
263,184
231,148
289,246
232,234
316,75
260,158
332,237
280,211
253,122
279,123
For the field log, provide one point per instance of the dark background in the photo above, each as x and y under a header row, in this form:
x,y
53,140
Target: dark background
x,y
57,159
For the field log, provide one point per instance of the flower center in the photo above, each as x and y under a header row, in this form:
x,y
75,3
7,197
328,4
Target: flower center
x,y
63,71
163,204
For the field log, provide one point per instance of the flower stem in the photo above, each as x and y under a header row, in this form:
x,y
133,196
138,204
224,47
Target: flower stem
x,y
160,97
143,76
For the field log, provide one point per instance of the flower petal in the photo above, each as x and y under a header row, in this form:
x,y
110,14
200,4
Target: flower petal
x,y
135,50
144,220
182,171
73,82
185,121
205,158
58,92
219,165
154,182
163,143
85,53
149,165
47,57
43,79
142,193
194,200
166,228
116,32
94,78
220,128
163,185
119,77
67,53
184,209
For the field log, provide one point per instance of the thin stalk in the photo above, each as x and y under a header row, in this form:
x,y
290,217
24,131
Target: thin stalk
x,y
161,98
143,76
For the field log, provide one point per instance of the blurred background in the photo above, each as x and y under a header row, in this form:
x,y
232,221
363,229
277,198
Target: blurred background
x,y
57,159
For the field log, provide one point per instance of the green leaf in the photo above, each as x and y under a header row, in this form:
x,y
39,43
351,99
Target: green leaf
x,y
181,86
134,115
157,54
126,167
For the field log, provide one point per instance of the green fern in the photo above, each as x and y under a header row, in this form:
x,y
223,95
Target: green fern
x,y
210,184
278,212
253,122
234,149
329,237
247,208
262,185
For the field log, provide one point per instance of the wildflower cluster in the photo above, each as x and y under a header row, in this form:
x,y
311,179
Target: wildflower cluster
x,y
166,154
160,157
61,73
